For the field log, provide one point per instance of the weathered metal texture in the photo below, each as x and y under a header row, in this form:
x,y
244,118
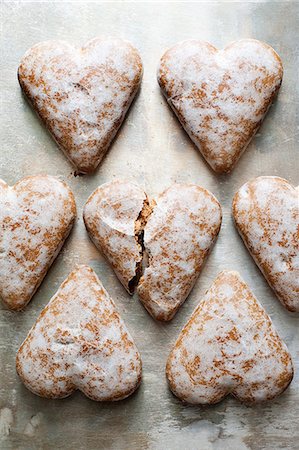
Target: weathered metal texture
x,y
153,150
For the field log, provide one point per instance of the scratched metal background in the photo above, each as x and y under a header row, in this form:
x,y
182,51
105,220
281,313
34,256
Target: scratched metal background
x,y
152,149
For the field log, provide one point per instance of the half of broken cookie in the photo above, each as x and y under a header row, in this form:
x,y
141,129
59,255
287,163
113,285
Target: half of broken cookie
x,y
82,94
159,246
229,346
36,216
80,342
266,213
115,215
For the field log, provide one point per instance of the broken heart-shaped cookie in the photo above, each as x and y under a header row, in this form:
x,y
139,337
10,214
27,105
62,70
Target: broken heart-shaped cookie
x,y
229,346
80,342
82,94
220,96
36,216
159,246
266,214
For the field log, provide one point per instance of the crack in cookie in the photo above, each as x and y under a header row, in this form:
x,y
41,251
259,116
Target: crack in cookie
x,y
157,248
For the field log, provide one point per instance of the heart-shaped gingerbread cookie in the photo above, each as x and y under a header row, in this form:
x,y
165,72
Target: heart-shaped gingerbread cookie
x,y
166,241
82,94
80,342
220,96
229,346
36,216
266,213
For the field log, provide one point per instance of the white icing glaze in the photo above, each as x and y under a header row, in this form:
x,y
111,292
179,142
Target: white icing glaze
x,y
80,342
229,346
266,213
220,96
36,216
82,94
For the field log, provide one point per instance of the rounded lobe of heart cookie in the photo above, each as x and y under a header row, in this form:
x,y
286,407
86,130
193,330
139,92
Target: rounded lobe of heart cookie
x,y
82,95
229,346
110,216
220,96
36,216
266,214
178,237
80,342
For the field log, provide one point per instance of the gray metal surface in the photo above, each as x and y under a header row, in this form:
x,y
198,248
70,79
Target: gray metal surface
x,y
151,149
